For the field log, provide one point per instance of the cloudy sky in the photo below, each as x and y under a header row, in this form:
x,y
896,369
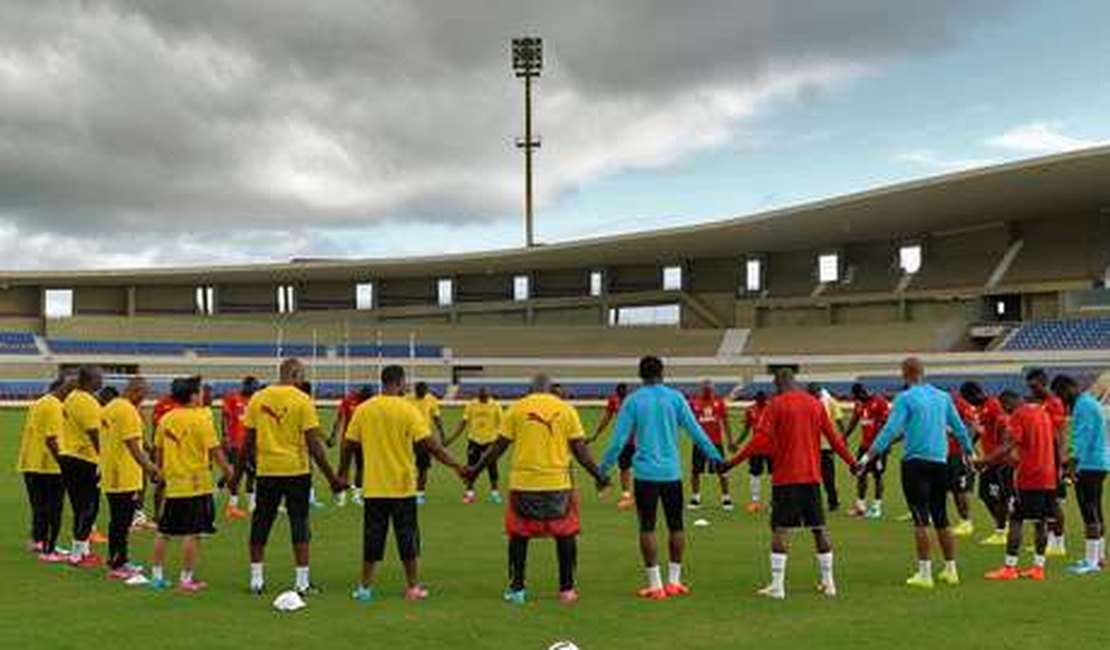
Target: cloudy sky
x,y
155,132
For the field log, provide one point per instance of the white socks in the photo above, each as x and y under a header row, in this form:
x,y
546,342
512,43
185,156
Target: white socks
x,y
925,569
1038,561
825,564
186,576
251,500
1093,552
674,574
654,577
312,495
1011,561
778,571
1101,549
300,582
950,566
754,484
79,549
156,572
257,581
233,501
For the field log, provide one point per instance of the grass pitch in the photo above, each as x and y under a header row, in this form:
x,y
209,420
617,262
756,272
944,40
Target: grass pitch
x,y
464,566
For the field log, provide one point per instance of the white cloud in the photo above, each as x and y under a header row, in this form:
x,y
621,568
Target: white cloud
x,y
1038,138
935,162
174,120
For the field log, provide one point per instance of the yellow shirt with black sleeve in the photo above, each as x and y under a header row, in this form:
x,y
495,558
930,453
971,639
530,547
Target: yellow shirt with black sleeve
x,y
185,437
387,427
119,471
45,418
280,415
82,414
483,420
541,427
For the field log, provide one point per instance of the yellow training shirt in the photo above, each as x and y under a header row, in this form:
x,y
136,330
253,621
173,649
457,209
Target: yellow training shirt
x,y
427,405
387,426
185,437
119,471
541,427
45,418
280,416
484,420
82,414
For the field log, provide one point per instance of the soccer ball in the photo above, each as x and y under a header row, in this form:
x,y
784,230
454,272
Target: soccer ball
x,y
563,645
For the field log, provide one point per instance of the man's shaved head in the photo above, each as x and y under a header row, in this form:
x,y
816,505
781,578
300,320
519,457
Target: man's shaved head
x,y
292,372
913,371
541,383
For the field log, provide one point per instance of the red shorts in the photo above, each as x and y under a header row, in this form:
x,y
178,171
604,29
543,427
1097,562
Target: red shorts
x,y
518,526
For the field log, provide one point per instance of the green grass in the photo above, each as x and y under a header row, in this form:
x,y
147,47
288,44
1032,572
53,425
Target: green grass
x,y
464,566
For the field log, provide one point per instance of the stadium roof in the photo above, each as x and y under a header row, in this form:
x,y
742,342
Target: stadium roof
x,y
1070,183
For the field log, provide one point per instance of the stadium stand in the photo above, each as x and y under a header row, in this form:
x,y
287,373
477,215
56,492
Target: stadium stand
x,y
1061,334
18,343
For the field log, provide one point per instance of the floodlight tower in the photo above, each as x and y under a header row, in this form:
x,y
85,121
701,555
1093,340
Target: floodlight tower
x,y
527,63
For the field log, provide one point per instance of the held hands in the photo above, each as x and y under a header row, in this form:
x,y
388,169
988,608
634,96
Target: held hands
x,y
466,473
339,484
861,464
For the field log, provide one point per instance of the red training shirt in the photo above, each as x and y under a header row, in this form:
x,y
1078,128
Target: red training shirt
x,y
164,405
1035,442
712,414
790,431
234,409
872,415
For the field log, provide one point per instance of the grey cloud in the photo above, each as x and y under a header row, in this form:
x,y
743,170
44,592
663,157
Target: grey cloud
x,y
172,117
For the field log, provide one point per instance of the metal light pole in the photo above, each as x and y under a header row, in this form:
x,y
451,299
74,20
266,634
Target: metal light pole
x,y
527,63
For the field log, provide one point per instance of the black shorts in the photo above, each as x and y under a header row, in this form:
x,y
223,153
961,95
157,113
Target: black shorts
x,y
925,486
1034,505
758,465
423,457
698,460
474,453
876,466
960,477
272,491
378,515
648,496
1088,490
996,484
795,506
188,516
624,461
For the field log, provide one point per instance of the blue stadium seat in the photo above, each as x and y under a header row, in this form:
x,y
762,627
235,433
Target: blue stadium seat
x,y
1062,334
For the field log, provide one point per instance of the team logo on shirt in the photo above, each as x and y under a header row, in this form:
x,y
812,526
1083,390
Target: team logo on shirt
x,y
269,411
548,424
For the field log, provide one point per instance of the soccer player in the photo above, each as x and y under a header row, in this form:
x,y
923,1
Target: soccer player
x,y
828,461
483,417
790,431
233,412
38,462
164,405
122,464
869,414
343,415
283,431
384,430
1036,380
996,478
961,476
79,458
624,462
759,464
185,446
1090,462
545,431
428,405
1031,436
922,413
655,412
712,414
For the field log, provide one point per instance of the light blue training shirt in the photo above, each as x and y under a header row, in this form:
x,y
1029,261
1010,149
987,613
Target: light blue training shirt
x,y
654,413
1088,435
923,414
